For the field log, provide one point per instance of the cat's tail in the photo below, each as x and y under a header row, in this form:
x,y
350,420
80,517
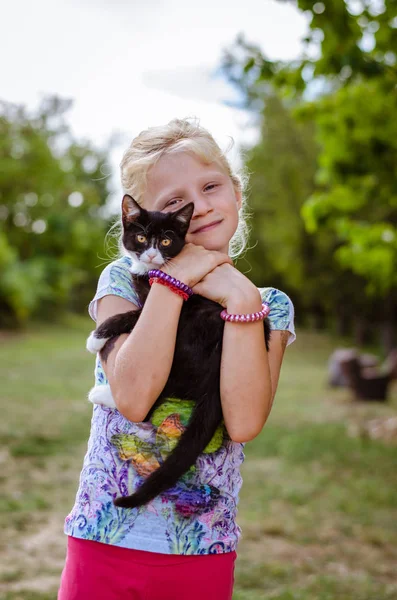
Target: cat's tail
x,y
199,432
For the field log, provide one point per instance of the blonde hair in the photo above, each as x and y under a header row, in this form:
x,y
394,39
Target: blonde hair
x,y
177,136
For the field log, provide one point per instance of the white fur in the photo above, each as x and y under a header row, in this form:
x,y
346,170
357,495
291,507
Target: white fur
x,y
101,394
137,268
95,344
144,263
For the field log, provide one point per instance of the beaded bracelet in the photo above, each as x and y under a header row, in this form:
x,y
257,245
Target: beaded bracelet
x,y
171,282
183,295
258,316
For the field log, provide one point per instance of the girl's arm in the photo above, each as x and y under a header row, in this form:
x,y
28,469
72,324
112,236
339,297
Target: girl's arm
x,y
246,383
139,363
249,373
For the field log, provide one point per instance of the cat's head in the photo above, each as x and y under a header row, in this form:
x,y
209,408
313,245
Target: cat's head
x,y
152,237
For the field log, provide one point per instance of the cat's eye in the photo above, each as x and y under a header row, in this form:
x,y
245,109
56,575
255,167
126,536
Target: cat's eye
x,y
165,242
141,238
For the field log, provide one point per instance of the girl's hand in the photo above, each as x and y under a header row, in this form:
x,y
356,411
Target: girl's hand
x,y
194,262
227,286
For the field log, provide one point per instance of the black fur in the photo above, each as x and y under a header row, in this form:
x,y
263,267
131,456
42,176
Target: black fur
x,y
195,371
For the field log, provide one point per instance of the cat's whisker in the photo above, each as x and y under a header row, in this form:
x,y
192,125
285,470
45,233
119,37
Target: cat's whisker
x,y
169,261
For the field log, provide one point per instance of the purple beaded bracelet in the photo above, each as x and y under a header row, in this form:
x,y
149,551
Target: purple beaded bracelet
x,y
175,282
249,318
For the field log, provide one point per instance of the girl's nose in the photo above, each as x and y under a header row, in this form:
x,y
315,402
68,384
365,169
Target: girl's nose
x,y
202,205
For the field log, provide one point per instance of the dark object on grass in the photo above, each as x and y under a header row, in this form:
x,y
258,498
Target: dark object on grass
x,y
369,383
336,378
390,364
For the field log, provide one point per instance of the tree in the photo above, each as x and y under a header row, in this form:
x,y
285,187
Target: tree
x,y
345,84
52,191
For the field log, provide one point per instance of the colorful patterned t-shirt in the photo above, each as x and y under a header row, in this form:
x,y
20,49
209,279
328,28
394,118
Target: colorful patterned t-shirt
x,y
198,515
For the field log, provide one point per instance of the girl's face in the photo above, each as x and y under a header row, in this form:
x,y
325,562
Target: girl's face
x,y
180,178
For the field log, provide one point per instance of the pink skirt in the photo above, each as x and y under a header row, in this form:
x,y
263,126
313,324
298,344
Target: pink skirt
x,y
106,572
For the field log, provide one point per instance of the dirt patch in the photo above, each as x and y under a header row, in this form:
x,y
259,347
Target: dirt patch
x,y
39,558
342,556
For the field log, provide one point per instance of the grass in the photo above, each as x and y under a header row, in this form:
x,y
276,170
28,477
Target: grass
x,y
318,508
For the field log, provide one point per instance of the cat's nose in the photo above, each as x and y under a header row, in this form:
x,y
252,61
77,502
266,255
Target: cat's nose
x,y
151,253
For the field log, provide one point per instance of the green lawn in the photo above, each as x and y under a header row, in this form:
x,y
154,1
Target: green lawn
x,y
318,508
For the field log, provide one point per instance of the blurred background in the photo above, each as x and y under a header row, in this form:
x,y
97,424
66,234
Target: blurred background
x,y
308,92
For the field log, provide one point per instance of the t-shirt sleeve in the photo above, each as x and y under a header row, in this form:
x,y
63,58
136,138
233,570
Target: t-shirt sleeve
x,y
282,313
115,279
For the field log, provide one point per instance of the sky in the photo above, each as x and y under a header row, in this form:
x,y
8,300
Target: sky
x,y
129,65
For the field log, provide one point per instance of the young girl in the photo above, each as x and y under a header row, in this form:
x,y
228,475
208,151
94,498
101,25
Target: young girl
x,y
155,552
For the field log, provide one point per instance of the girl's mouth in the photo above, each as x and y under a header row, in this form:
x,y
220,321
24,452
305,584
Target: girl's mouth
x,y
207,227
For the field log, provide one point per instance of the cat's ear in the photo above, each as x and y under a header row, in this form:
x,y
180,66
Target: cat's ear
x,y
184,214
130,208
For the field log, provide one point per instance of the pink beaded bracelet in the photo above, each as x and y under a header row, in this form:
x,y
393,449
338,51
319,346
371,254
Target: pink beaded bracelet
x,y
249,318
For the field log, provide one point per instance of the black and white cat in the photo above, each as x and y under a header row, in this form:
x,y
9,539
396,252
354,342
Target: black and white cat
x,y
152,238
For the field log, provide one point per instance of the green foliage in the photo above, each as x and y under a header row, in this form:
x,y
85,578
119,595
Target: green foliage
x,y
347,44
344,84
282,172
356,195
52,191
283,254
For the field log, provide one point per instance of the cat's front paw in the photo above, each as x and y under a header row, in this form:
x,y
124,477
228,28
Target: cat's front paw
x,y
95,344
101,394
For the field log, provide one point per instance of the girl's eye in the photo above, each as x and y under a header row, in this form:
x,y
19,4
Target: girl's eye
x,y
165,242
171,201
141,238
211,185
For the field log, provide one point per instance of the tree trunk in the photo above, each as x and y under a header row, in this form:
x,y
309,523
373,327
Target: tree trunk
x,y
360,330
388,326
319,318
342,324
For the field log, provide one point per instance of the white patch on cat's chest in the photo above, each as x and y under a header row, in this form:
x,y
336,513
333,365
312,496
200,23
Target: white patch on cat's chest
x,y
137,268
